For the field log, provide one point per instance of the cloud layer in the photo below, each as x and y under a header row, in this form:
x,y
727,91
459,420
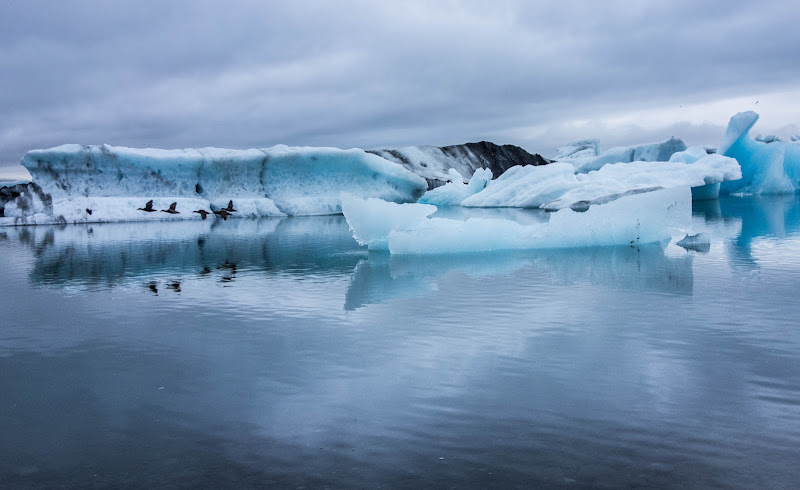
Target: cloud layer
x,y
369,74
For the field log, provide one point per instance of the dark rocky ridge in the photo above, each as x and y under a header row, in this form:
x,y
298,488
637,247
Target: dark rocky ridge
x,y
432,163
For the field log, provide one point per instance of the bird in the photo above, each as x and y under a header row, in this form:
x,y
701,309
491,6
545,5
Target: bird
x,y
230,207
223,213
171,209
202,212
148,207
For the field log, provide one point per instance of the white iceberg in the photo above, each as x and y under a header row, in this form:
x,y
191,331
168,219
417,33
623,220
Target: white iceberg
x,y
634,219
767,168
585,155
112,182
622,178
454,192
371,219
556,186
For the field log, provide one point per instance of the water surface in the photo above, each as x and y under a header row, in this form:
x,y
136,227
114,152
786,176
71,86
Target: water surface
x,y
279,352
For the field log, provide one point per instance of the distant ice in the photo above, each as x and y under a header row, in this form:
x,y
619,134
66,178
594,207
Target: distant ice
x,y
585,155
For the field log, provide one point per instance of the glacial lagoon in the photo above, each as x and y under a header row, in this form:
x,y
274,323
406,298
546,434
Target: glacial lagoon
x,y
280,352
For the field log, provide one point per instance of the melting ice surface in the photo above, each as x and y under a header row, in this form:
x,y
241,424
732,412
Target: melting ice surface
x,y
278,352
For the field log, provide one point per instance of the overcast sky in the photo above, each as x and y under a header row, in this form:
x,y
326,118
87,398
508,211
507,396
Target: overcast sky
x,y
242,74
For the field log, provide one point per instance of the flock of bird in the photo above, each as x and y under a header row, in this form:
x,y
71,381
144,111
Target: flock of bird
x,y
222,213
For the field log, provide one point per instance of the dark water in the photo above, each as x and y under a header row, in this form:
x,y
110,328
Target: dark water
x,y
280,353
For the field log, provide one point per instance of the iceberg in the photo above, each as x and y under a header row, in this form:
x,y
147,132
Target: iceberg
x,y
556,186
585,155
75,183
452,193
767,167
700,242
622,178
634,219
371,220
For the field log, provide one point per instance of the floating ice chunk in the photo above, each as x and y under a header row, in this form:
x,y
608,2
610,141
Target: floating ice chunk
x,y
584,161
555,186
767,168
578,149
455,177
372,219
700,242
274,181
453,193
622,178
640,218
690,155
526,187
308,181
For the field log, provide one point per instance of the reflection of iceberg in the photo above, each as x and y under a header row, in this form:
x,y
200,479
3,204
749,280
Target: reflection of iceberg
x,y
383,277
107,254
631,219
760,217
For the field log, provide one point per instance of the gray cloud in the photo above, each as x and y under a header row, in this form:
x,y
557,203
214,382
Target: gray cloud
x,y
367,74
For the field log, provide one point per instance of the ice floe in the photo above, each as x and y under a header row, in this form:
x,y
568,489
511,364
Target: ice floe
x,y
633,219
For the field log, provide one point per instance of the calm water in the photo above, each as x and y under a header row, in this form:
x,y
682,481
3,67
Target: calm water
x,y
279,352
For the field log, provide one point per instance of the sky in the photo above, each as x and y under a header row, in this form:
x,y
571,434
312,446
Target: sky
x,y
252,74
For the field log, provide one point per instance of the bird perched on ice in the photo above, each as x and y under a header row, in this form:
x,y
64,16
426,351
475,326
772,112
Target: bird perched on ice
x,y
230,207
223,213
202,212
171,209
148,207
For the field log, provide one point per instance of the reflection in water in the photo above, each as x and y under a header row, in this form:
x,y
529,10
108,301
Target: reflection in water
x,y
381,276
109,254
164,254
751,218
168,354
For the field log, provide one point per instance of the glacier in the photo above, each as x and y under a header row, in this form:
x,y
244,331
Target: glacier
x,y
639,218
771,167
112,182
